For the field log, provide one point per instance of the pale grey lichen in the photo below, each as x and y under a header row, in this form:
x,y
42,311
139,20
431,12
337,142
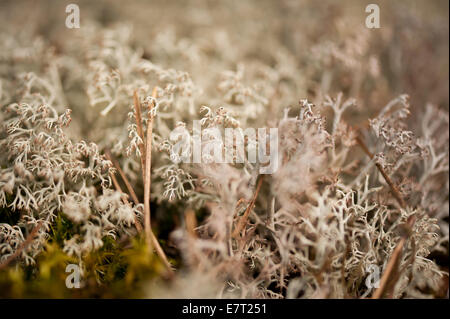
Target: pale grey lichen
x,y
318,223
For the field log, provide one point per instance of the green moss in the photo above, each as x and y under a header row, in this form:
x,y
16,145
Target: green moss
x,y
61,229
116,270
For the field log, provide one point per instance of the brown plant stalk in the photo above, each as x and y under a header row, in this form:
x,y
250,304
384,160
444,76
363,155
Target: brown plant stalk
x,y
149,235
130,190
22,246
391,269
147,177
123,176
386,177
243,219
140,130
146,148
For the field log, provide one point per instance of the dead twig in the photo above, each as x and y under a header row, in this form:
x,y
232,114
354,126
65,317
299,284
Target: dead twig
x,y
22,246
146,153
149,235
130,189
391,269
243,219
140,130
191,222
386,177
147,177
124,178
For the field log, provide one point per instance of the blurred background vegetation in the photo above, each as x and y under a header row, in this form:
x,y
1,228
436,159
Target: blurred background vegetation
x,y
411,46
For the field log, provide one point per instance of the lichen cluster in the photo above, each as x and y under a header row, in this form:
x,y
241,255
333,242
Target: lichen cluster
x,y
89,174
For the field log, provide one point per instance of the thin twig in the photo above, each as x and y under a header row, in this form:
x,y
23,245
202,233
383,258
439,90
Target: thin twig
x,y
117,186
124,178
386,177
392,265
391,269
150,236
146,150
160,253
243,219
138,116
147,177
190,221
125,200
22,246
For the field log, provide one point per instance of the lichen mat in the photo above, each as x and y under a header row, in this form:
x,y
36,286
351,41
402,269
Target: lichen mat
x,y
95,201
